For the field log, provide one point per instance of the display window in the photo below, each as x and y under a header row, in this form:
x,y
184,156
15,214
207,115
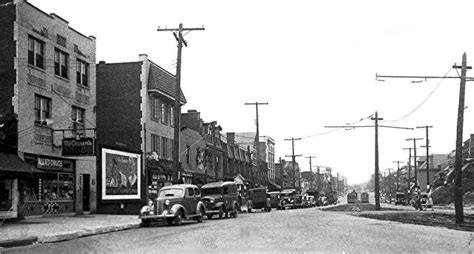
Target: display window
x,y
57,187
6,194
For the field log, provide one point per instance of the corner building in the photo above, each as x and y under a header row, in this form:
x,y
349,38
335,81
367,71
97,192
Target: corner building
x,y
47,82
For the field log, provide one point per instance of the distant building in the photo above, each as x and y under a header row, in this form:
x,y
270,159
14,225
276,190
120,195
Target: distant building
x,y
48,85
435,161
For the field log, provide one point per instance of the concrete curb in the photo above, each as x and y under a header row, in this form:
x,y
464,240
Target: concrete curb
x,y
65,236
21,241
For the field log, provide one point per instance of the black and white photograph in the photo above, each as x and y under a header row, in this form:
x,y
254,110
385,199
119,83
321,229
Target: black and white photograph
x,y
265,126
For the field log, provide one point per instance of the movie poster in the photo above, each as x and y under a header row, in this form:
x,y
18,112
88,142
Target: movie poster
x,y
120,175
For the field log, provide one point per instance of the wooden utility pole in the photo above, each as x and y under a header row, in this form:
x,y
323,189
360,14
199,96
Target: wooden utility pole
x,y
257,135
414,157
458,157
426,127
409,166
293,160
398,174
458,206
178,34
376,175
311,169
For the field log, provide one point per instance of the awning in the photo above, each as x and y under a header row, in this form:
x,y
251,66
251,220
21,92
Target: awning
x,y
11,163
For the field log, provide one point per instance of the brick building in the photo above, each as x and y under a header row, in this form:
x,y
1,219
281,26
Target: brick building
x,y
47,79
135,130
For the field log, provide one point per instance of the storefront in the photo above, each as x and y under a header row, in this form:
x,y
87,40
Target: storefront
x,y
50,192
159,174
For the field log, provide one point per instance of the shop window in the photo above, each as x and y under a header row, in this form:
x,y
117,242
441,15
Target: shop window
x,y
60,63
5,194
82,73
58,187
35,52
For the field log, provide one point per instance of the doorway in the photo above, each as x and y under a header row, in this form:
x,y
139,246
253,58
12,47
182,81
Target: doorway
x,y
85,193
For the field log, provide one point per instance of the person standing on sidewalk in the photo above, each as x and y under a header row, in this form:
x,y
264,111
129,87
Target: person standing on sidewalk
x,y
430,199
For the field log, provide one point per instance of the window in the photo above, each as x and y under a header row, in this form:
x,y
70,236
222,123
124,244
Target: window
x,y
190,192
164,113
155,108
35,52
82,73
60,63
164,147
197,192
78,117
42,109
171,115
155,143
187,153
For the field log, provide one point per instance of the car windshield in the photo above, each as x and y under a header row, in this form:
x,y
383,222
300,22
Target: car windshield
x,y
174,192
212,191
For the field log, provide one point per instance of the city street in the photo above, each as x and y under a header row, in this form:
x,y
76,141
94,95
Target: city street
x,y
279,231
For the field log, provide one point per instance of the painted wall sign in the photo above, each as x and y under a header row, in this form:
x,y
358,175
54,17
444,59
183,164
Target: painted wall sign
x,y
51,163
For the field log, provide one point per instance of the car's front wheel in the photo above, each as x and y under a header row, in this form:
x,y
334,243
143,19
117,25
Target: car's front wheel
x,y
221,212
200,216
178,219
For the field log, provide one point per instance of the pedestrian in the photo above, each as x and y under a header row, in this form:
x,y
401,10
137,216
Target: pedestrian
x,y
430,199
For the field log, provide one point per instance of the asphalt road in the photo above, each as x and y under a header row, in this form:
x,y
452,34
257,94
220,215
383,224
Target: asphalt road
x,y
302,230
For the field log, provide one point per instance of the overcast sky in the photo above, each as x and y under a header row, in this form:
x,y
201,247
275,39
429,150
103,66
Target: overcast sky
x,y
314,62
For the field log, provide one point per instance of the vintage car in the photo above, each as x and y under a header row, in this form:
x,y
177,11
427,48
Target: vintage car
x,y
308,201
174,204
401,198
287,196
220,198
258,199
275,200
424,200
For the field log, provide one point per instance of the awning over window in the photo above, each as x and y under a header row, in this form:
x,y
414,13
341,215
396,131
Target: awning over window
x,y
11,163
273,186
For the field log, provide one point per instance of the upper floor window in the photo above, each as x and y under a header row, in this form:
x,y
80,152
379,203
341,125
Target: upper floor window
x,y
60,63
155,143
42,109
155,108
188,148
165,153
78,117
171,115
35,52
82,73
164,113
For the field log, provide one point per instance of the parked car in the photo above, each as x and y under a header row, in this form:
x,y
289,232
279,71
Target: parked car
x,y
424,200
308,201
174,204
275,200
258,199
220,198
352,197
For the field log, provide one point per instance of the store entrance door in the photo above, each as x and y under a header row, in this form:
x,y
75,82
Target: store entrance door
x,y
85,193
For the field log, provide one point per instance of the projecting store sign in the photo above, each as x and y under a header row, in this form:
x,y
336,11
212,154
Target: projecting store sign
x,y
78,147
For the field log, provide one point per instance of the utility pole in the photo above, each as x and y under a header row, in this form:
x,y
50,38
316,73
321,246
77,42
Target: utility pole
x,y
311,169
376,175
426,127
458,157
178,34
414,157
409,165
257,135
398,174
389,186
458,206
293,159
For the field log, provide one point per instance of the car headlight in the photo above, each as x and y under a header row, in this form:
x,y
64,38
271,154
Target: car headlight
x,y
167,202
211,201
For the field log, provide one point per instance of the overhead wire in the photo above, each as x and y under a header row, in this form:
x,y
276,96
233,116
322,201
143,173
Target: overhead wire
x,y
423,101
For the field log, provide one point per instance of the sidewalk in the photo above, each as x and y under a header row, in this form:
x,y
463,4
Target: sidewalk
x,y
53,229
